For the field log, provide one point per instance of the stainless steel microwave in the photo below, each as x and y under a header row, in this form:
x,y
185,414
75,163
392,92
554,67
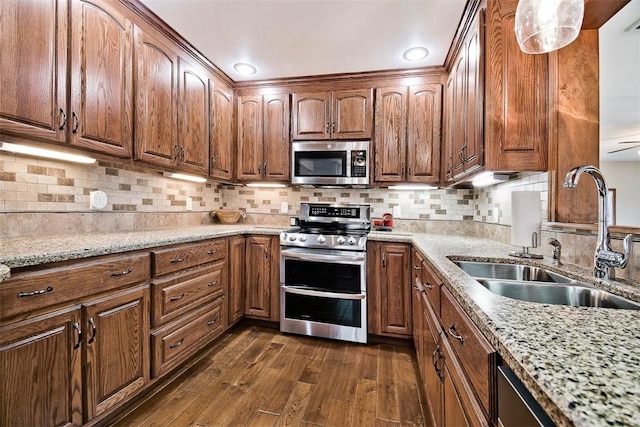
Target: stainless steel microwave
x,y
330,162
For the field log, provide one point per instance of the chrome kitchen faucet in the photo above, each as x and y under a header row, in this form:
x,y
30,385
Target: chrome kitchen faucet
x,y
604,259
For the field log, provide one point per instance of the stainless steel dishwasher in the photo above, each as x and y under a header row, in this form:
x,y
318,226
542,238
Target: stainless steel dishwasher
x,y
516,406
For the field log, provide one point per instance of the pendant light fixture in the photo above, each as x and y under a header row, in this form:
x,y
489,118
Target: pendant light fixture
x,y
546,25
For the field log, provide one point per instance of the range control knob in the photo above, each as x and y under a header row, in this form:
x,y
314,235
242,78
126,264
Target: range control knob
x,y
302,238
352,240
340,240
321,239
292,237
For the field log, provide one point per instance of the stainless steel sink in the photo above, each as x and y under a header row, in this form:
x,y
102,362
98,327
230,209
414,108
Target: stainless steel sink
x,y
552,293
494,270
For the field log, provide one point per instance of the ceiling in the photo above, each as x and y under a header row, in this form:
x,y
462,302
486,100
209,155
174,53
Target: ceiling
x,y
620,85
294,38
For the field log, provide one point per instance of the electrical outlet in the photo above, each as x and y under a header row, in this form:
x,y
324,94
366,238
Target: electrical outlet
x,y
397,212
97,199
284,207
189,204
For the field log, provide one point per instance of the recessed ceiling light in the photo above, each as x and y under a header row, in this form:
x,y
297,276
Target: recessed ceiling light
x,y
245,69
415,53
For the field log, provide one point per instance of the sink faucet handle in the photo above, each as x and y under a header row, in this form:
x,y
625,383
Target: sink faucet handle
x,y
557,249
626,247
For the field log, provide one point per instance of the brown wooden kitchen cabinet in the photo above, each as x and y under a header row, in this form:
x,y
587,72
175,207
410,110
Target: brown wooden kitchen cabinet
x,y
340,114
263,138
116,348
237,266
189,301
221,149
172,105
464,101
407,133
94,39
389,289
262,299
46,348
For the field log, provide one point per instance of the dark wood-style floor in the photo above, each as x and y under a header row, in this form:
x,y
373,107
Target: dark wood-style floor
x,y
259,377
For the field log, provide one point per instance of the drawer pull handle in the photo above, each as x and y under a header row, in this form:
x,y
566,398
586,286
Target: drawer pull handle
x,y
213,252
452,331
416,267
210,284
121,273
94,330
427,285
40,292
435,361
179,297
175,260
76,326
177,344
212,322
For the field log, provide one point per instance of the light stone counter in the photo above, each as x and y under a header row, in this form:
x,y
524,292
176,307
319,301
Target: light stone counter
x,y
581,364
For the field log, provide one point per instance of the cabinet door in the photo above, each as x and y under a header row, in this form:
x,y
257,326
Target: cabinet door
x,y
156,91
258,276
237,267
33,67
352,114
249,138
311,116
193,118
390,134
117,348
221,131
276,149
433,362
395,290
473,147
517,103
41,378
423,133
448,129
101,78
458,124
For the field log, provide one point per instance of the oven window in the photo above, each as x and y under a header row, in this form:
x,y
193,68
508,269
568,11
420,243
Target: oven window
x,y
322,276
321,163
324,310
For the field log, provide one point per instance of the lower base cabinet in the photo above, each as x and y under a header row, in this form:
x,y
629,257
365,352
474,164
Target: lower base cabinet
x,y
262,286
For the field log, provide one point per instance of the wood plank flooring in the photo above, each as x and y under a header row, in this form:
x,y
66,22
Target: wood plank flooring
x,y
259,377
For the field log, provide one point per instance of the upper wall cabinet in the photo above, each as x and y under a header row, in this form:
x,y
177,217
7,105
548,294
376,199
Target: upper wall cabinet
x,y
345,114
517,100
34,79
263,138
407,133
221,131
464,98
172,106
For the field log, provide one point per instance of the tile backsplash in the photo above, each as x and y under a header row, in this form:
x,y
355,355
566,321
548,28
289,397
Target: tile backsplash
x,y
44,197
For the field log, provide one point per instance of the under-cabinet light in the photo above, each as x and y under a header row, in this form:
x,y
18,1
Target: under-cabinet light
x,y
185,177
410,187
489,178
46,153
266,184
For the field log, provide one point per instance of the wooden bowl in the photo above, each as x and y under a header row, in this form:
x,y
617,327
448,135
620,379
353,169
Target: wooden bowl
x,y
229,217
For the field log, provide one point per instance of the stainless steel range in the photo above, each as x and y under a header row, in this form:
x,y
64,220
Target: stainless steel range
x,y
323,272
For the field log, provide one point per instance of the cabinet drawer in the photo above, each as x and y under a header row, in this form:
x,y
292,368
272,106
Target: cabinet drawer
x,y
184,256
29,291
431,285
179,340
476,356
179,293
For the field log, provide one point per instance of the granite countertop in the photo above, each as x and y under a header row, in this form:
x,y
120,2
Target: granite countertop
x,y
581,364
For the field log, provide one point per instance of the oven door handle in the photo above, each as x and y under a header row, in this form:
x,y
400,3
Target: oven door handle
x,y
311,293
342,258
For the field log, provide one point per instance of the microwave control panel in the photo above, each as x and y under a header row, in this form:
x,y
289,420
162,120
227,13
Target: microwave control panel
x,y
359,164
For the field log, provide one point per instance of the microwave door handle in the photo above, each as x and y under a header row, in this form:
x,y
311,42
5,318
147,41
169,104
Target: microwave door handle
x,y
336,295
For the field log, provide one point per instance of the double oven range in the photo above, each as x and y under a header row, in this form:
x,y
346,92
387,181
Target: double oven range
x,y
323,272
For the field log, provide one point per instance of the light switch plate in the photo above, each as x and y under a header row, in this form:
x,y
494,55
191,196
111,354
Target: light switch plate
x,y
284,207
97,199
189,203
397,212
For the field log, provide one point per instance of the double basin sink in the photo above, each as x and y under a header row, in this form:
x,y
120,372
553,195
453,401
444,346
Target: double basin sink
x,y
536,284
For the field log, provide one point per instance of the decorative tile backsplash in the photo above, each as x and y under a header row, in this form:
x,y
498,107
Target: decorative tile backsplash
x,y
44,197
